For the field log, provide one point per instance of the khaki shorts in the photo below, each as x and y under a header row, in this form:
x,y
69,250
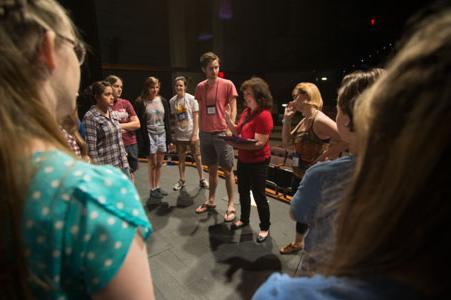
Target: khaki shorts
x,y
183,146
215,151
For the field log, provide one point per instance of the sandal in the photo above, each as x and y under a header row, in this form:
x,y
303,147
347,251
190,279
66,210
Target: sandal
x,y
204,207
290,248
229,215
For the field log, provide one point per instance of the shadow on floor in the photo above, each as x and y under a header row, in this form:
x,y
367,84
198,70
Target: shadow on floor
x,y
239,251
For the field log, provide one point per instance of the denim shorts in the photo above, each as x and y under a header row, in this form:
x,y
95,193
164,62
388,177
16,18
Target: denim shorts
x,y
157,143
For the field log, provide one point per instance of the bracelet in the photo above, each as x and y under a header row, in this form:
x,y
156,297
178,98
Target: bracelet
x,y
285,121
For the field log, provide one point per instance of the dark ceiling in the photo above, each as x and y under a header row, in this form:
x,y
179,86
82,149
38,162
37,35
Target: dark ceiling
x,y
266,35
283,41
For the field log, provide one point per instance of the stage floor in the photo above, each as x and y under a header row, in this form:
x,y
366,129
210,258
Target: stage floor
x,y
197,256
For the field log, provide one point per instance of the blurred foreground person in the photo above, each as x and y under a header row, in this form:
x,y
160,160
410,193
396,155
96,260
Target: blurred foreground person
x,y
378,251
69,230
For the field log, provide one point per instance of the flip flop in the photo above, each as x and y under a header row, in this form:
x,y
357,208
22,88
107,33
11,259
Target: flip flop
x,y
204,207
230,213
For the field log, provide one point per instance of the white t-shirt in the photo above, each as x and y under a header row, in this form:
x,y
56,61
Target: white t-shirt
x,y
183,109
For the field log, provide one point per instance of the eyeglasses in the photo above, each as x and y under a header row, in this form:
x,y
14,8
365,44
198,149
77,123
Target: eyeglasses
x,y
79,49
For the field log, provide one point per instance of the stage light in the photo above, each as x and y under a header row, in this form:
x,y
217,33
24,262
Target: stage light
x,y
373,22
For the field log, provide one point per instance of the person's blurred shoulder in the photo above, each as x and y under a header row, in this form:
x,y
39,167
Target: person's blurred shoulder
x,y
281,286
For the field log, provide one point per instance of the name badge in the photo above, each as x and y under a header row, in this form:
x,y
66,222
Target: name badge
x,y
182,116
211,109
295,160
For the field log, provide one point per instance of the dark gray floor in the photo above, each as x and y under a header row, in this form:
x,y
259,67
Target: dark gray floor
x,y
196,256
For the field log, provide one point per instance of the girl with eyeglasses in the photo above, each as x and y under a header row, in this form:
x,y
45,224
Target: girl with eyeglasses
x,y
69,230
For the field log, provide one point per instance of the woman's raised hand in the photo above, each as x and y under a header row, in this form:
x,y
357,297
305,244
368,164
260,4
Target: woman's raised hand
x,y
290,110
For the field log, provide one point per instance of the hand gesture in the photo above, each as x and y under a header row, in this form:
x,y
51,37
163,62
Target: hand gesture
x,y
290,110
171,148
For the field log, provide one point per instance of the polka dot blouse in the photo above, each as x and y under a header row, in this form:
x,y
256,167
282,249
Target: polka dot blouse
x,y
78,224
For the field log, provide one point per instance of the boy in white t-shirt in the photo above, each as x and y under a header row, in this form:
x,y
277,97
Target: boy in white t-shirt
x,y
185,109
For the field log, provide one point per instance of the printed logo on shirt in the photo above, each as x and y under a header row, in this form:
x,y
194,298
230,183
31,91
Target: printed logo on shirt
x,y
122,115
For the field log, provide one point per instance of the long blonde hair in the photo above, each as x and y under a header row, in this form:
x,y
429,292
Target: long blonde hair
x,y
396,217
23,118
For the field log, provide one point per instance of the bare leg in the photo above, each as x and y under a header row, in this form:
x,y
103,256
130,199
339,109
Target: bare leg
x,y
182,164
299,240
151,163
230,182
160,157
197,159
213,181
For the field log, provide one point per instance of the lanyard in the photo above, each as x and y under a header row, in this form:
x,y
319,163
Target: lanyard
x,y
216,95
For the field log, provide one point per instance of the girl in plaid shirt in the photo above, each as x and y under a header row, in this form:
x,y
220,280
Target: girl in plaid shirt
x,y
103,133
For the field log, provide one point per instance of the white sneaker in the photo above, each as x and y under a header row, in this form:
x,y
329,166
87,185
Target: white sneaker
x,y
203,183
179,185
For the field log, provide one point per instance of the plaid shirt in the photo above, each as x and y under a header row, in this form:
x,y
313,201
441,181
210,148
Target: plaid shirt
x,y
71,142
104,139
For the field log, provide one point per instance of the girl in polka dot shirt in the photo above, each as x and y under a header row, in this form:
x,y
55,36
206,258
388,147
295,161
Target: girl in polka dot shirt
x,y
69,230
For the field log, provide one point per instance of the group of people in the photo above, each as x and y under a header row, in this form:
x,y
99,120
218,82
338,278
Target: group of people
x,y
111,124
199,123
73,229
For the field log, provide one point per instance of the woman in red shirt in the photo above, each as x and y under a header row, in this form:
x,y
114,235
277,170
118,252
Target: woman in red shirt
x,y
255,123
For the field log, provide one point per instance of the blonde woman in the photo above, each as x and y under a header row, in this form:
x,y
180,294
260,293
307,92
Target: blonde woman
x,y
69,230
326,181
315,139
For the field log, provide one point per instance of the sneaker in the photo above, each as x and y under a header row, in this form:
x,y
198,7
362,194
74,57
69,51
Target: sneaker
x,y
203,183
179,185
155,194
162,192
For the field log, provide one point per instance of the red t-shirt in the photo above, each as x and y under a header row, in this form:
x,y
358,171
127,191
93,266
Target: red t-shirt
x,y
262,124
124,111
212,103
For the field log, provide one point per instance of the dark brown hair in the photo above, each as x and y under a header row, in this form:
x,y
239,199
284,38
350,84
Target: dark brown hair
x,y
261,91
98,87
351,87
207,58
181,78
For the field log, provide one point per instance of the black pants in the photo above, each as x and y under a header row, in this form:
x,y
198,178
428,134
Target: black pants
x,y
253,177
